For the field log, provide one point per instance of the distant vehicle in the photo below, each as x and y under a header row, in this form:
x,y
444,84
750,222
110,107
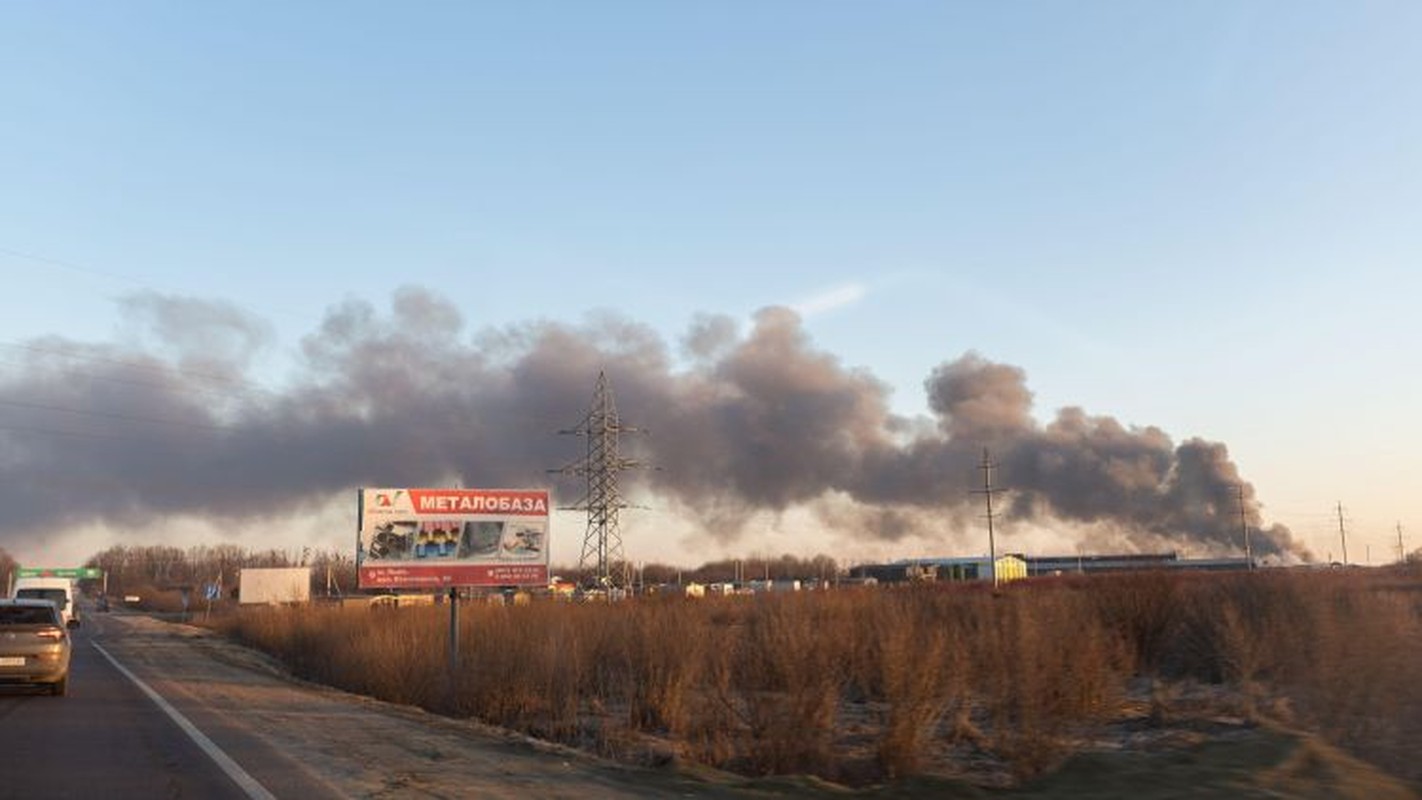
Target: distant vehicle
x,y
59,591
34,645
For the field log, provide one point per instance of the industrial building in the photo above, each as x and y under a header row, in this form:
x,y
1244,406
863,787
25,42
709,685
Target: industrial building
x,y
1016,566
972,568
1128,562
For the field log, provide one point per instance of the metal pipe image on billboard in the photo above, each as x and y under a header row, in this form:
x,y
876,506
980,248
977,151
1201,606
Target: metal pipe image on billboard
x,y
434,538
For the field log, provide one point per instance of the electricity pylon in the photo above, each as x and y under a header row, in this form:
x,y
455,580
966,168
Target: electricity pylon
x,y
602,543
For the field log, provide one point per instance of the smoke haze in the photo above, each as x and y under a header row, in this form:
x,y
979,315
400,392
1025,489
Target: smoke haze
x,y
744,422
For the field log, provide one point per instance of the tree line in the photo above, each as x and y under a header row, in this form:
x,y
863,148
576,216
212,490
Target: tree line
x,y
135,569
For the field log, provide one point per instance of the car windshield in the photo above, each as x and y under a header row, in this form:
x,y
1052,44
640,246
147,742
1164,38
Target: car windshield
x,y
26,615
56,596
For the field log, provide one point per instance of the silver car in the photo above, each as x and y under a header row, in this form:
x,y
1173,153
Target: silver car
x,y
34,645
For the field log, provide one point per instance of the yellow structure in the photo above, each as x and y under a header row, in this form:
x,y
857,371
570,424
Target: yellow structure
x,y
1010,568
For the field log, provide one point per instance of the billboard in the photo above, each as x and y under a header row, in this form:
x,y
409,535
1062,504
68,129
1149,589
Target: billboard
x,y
434,538
270,585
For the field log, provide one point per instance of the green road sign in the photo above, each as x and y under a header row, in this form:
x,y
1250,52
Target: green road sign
x,y
60,572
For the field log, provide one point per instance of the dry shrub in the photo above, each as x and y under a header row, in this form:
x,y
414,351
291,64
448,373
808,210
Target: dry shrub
x,y
764,685
379,654
787,678
713,731
528,682
1046,667
1342,651
663,663
1359,677
1142,610
584,674
922,672
1217,638
400,660
1012,673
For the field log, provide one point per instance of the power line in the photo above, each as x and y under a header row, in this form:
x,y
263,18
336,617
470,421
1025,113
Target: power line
x,y
114,276
69,265
106,437
165,370
185,387
112,415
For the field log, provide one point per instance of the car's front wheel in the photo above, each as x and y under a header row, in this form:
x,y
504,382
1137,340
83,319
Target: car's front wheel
x,y
60,687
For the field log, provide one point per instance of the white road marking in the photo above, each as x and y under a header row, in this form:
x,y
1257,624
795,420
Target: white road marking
x,y
249,785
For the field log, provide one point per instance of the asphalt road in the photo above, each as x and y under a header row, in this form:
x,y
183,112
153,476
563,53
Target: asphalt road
x,y
108,738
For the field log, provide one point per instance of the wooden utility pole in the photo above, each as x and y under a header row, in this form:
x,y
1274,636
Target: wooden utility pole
x,y
1342,534
1401,553
987,492
1244,526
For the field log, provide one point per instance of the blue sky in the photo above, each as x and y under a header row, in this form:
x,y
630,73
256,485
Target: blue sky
x,y
1200,216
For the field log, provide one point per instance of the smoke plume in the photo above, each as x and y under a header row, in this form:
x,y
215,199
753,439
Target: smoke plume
x,y
742,422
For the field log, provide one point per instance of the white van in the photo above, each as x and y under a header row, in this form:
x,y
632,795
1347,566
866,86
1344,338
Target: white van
x,y
59,591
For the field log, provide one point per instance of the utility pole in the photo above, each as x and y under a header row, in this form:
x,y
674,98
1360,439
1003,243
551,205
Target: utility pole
x,y
602,542
1401,553
987,492
1342,534
1244,526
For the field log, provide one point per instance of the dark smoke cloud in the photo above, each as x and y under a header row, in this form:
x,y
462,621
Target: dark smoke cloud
x,y
745,422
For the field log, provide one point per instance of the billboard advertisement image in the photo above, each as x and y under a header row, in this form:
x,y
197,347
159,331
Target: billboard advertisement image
x,y
434,538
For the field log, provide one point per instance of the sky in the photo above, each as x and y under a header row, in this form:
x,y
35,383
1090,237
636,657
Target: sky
x,y
1196,219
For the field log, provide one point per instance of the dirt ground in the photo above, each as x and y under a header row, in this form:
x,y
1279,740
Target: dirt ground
x,y
363,748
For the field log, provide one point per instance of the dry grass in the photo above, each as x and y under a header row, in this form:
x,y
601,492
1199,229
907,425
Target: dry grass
x,y
866,685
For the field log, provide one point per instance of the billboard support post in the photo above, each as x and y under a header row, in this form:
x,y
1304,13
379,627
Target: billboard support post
x,y
453,637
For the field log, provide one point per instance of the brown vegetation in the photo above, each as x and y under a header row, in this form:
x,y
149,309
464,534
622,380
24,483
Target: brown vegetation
x,y
865,685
